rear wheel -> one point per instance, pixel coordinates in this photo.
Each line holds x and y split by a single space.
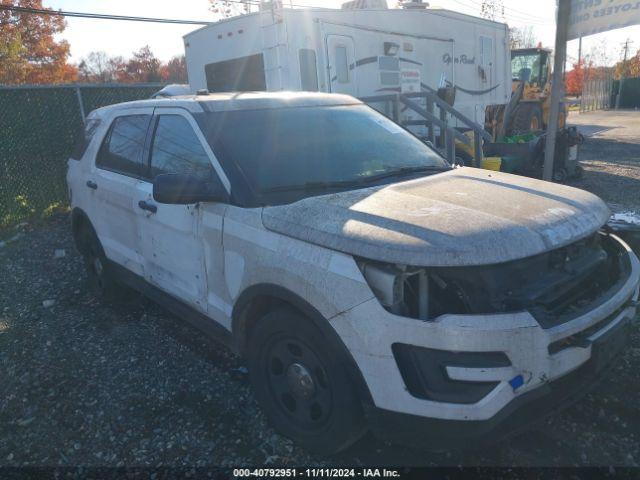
301 385
527 118
99 275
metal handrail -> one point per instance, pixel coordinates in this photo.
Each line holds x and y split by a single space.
448 134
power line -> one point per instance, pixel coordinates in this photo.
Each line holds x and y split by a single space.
518 13
508 16
100 16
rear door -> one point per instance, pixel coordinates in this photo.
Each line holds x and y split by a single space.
113 178
172 246
341 64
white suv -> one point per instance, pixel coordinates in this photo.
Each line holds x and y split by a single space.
367 283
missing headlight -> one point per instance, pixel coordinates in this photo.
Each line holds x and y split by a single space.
401 290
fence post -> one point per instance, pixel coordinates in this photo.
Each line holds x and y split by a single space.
80 103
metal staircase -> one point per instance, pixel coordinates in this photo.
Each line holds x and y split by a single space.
437 117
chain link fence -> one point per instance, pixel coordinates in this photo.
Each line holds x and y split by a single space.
38 128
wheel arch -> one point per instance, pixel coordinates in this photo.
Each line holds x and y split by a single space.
257 300
79 219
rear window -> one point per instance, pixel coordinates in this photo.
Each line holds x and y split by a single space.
85 135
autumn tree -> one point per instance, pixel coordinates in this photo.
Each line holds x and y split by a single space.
228 9
29 50
492 10
522 37
97 67
174 71
630 68
574 79
143 67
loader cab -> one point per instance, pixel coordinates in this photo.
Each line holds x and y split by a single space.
531 66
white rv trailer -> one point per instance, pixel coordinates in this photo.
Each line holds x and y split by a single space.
361 51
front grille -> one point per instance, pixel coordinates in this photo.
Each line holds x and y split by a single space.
581 339
555 287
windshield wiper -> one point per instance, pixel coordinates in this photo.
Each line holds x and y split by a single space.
393 172
310 186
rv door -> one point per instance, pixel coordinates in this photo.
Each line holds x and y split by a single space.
340 69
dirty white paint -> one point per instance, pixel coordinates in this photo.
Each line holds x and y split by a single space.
233 272
368 330
211 253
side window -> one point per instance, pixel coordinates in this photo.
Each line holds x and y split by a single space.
342 64
84 138
177 149
308 70
122 148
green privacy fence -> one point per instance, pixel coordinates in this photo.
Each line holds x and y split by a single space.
630 92
38 127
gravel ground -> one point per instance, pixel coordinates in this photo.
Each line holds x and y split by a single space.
611 157
86 383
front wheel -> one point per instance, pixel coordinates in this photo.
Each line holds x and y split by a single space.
301 385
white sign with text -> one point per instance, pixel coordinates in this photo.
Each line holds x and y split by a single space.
594 16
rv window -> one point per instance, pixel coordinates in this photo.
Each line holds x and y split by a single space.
486 51
342 64
244 74
389 63
308 70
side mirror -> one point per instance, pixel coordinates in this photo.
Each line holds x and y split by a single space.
184 189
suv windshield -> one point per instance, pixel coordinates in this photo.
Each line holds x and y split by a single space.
317 149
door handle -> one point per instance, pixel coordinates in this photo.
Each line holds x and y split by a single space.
92 185
149 207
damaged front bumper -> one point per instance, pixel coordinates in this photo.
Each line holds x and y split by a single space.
510 354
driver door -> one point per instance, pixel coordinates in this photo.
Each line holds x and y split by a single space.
172 246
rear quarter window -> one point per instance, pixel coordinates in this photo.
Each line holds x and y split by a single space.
84 137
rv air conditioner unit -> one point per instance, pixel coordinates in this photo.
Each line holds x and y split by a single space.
365 5
414 5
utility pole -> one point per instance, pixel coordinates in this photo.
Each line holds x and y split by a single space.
580 51
624 65
557 87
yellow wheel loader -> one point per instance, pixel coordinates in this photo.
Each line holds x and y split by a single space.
529 108
519 127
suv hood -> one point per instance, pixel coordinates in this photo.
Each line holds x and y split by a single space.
459 218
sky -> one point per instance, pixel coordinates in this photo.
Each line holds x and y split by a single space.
122 38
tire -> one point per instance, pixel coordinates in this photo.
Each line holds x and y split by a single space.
560 175
301 385
464 159
527 118
99 276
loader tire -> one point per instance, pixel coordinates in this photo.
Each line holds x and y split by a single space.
527 117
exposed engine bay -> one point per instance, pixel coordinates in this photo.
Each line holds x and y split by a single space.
554 287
